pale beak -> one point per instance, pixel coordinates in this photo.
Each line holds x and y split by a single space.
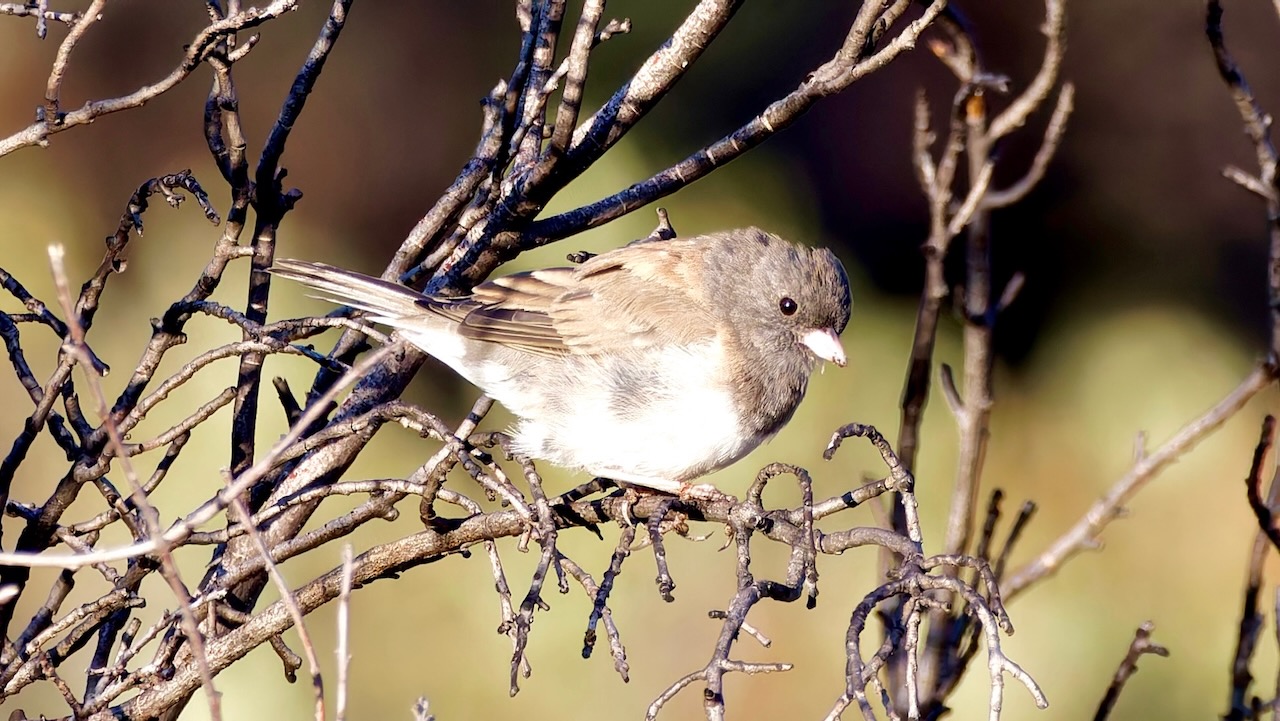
826 345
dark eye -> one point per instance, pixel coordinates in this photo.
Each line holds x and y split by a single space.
787 306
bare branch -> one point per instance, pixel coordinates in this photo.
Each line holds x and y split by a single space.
344 632
1251 620
1257 125
1141 644
41 15
1084 534
605 128
1053 133
38 132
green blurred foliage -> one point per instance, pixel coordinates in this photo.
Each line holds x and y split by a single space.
1144 306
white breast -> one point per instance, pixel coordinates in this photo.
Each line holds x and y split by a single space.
658 414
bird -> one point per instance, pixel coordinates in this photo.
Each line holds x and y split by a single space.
651 365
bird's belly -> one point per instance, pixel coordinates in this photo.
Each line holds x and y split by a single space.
669 417
673 441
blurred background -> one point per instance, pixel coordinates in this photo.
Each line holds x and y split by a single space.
1145 303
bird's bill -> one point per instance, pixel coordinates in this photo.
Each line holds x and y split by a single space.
826 345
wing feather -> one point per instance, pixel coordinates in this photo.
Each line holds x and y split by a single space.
633 297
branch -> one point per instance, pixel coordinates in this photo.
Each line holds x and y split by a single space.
1257 125
38 133
1141 644
1251 620
847 66
1084 534
41 15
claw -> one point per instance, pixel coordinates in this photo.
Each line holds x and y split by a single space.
629 498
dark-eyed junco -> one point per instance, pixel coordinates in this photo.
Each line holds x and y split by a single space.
652 364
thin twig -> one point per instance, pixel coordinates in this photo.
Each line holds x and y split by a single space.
1141 644
148 512
1251 620
1084 534
344 633
38 132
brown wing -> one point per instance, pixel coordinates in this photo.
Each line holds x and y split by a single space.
632 297
514 310
640 295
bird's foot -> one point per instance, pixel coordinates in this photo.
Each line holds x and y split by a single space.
701 492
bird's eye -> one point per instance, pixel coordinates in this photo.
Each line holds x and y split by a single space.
787 306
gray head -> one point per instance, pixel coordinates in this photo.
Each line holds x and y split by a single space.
785 297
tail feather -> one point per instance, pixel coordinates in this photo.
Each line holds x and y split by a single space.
386 300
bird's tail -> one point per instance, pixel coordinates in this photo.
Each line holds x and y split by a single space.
387 301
